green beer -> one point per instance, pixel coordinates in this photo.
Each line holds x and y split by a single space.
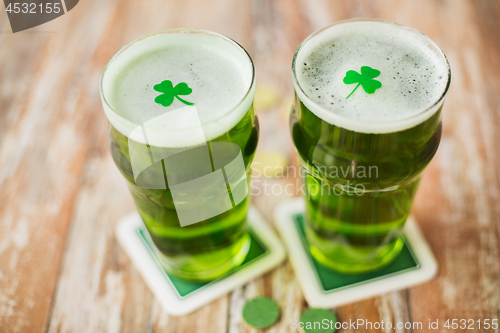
183 133
364 144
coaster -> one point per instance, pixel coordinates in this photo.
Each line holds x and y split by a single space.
326 288
180 297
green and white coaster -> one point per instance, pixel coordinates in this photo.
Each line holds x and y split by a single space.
323 287
180 297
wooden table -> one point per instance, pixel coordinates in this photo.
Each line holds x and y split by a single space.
61 268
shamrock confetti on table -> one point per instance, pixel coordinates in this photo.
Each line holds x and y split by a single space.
326 317
261 312
169 92
365 79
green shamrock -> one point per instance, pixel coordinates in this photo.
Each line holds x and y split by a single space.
365 79
169 92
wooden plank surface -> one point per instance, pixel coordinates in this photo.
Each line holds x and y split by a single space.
61 268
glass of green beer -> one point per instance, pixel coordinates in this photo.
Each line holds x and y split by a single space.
366 121
183 133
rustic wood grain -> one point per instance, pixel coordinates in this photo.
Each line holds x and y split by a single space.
61 268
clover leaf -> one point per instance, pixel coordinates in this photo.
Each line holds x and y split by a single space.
365 79
170 92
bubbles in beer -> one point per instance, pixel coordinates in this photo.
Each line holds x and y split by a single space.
218 72
413 75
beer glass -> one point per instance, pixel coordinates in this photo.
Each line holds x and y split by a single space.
366 121
183 133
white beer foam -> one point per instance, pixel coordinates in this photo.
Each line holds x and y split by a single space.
414 76
217 70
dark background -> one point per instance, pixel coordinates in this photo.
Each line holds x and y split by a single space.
31 13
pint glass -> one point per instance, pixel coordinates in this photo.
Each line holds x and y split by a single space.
183 133
366 121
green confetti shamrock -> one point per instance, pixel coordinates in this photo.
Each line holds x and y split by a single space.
365 79
169 92
261 312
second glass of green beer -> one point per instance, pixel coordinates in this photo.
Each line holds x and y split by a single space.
183 132
366 122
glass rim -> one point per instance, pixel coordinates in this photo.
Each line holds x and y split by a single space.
126 121
418 114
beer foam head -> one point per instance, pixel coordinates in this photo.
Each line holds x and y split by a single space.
219 72
414 75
